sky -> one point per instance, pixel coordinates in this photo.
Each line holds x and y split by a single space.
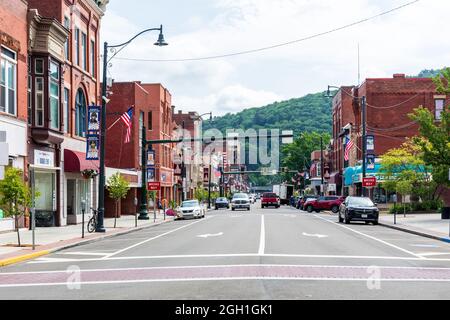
405 41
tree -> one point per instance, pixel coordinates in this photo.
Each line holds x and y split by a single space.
434 139
403 167
15 195
118 189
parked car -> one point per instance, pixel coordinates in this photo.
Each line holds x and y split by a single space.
191 209
240 201
270 199
324 203
222 203
358 209
303 199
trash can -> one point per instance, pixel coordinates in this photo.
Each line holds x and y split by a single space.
446 213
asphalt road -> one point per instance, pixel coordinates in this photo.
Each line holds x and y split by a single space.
263 254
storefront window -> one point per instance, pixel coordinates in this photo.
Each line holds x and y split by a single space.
84 188
45 185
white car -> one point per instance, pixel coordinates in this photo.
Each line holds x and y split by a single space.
191 209
240 201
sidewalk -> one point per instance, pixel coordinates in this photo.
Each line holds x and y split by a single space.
428 225
49 240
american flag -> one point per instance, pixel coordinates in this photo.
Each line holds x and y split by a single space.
126 118
348 147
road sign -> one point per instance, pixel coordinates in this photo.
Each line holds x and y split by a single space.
153 186
369 182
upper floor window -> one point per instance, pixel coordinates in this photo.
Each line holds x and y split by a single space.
54 95
93 60
150 120
39 101
66 109
67 44
8 75
30 100
84 50
77 46
439 108
80 114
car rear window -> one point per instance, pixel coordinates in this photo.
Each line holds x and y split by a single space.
269 195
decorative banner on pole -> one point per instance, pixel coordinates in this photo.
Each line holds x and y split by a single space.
151 174
370 162
370 143
150 158
92 147
94 119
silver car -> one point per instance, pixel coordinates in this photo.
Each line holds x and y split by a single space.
240 201
191 209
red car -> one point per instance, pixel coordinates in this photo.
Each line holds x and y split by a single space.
324 203
270 199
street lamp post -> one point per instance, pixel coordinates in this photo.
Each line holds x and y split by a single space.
101 187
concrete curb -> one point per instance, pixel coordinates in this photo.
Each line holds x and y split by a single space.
417 233
34 255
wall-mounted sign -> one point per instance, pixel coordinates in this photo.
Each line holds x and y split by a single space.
94 119
44 158
370 143
92 147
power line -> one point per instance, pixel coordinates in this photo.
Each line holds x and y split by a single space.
276 45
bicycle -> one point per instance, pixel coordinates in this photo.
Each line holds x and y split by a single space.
92 223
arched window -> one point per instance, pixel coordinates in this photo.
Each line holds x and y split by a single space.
80 114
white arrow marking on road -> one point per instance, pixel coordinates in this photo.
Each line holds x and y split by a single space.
210 235
315 235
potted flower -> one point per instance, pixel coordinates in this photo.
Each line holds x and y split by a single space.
89 173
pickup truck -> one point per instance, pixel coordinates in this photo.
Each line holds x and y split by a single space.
270 199
324 203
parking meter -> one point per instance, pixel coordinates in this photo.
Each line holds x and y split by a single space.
83 210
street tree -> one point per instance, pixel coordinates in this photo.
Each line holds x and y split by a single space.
15 196
118 189
434 138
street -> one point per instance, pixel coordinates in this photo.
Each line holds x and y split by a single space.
262 254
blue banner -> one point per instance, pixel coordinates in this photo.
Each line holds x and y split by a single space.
92 147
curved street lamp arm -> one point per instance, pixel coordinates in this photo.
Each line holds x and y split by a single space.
125 44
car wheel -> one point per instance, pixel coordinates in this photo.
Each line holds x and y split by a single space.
318 211
248 209
347 220
233 209
309 209
375 223
217 208
335 209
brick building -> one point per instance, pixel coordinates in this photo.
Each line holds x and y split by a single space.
152 109
13 85
63 81
389 101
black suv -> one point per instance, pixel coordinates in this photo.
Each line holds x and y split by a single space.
358 209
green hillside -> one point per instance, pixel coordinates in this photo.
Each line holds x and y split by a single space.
309 113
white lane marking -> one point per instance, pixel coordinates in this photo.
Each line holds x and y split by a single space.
210 235
425 245
153 238
84 253
229 266
371 237
243 255
430 254
320 236
262 238
217 279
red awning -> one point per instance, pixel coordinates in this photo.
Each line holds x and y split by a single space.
76 162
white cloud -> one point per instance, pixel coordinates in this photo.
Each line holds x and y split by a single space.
405 41
232 98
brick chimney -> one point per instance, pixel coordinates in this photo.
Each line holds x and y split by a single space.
399 76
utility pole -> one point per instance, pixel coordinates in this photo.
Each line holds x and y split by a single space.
183 169
143 211
209 183
364 142
321 167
